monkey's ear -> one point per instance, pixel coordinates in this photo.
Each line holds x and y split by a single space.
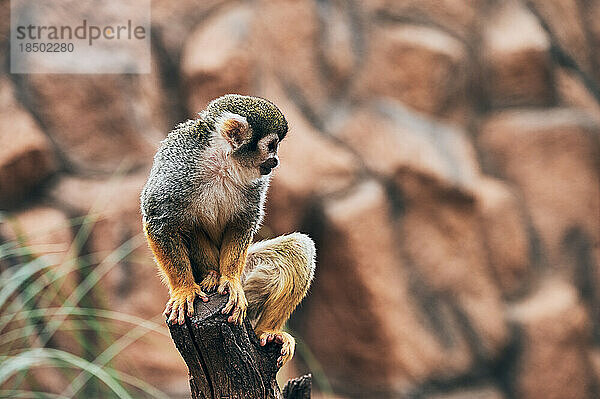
234 128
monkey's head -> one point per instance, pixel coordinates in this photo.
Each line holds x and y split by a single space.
253 127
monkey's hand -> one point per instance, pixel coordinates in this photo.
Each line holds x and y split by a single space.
288 344
237 303
180 297
210 281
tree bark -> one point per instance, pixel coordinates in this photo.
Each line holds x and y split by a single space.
227 361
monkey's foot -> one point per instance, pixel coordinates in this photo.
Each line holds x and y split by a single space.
180 297
210 281
288 344
237 303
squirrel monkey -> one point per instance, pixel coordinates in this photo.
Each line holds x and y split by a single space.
201 206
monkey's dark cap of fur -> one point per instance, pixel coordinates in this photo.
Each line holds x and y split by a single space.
263 116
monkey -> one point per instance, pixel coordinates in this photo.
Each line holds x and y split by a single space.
201 206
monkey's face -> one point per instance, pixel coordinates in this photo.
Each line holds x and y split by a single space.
253 127
267 153
251 147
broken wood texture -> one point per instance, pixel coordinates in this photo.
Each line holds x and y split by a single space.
227 361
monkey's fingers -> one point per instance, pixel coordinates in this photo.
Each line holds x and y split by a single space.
236 300
210 281
181 313
175 303
238 315
190 306
168 308
266 338
288 348
222 289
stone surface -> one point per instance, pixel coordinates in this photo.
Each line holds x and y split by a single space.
564 144
591 14
287 49
459 17
506 237
573 93
389 137
363 283
442 239
517 61
106 122
173 22
216 59
341 43
312 165
564 20
555 340
424 68
477 393
26 156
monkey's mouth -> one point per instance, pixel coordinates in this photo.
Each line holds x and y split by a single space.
264 170
266 167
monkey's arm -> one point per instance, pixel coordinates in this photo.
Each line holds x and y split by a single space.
205 256
234 248
174 264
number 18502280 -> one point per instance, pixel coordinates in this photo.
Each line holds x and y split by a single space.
46 47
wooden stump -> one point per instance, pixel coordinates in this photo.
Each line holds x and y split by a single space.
227 361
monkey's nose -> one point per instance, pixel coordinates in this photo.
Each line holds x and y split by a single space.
271 163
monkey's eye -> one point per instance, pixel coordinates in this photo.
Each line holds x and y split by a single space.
272 146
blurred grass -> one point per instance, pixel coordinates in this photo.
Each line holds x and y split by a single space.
38 302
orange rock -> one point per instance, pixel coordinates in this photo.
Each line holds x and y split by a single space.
474 393
287 48
518 68
43 230
101 122
573 93
565 22
442 240
422 67
551 156
26 156
360 319
460 17
312 165
505 229
555 340
389 137
216 59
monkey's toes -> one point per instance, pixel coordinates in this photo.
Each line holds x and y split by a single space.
287 342
237 303
181 299
175 311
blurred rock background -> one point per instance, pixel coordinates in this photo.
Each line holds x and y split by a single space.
444 155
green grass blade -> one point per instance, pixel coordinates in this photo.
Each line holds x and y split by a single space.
42 356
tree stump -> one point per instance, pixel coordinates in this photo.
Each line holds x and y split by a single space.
227 361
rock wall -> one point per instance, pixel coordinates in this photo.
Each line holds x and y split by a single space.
444 155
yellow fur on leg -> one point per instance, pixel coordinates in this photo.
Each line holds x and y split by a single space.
174 264
279 272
